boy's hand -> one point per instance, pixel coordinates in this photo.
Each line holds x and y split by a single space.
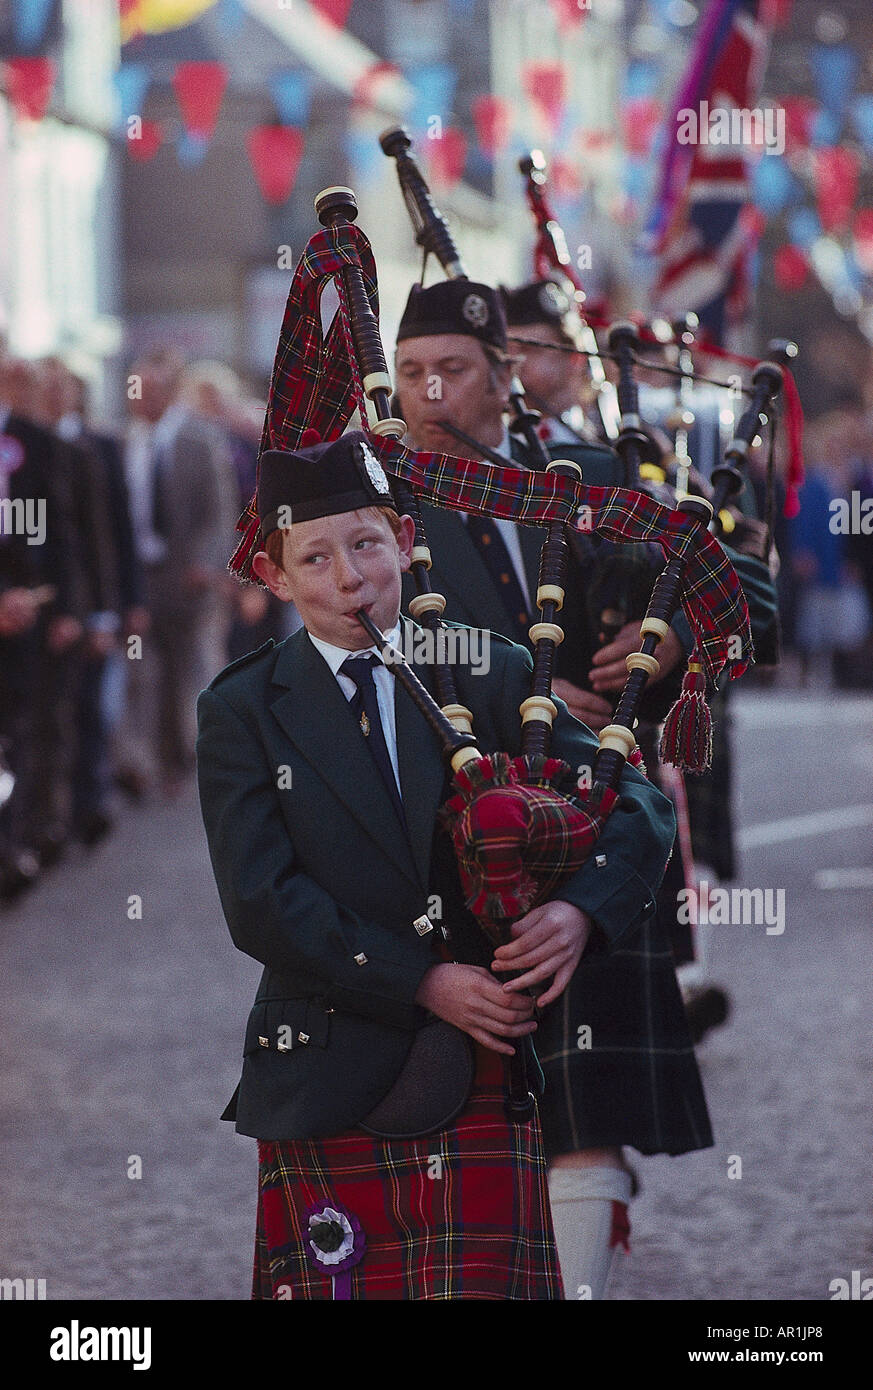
469 997
547 941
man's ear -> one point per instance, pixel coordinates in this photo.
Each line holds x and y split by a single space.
273 576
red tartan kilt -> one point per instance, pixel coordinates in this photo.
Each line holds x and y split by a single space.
462 1213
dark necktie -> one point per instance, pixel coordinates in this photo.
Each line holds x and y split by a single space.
365 706
492 548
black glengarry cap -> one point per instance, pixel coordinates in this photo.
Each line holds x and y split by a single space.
323 479
454 306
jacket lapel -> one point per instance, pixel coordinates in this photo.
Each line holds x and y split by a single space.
315 715
422 770
466 575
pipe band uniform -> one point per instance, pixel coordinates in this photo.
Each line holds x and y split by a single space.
532 896
336 932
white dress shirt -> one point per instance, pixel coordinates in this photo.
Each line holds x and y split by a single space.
385 682
139 473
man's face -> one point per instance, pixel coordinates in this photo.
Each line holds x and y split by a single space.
158 387
448 377
336 565
548 374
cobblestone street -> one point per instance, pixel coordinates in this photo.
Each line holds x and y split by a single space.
122 1037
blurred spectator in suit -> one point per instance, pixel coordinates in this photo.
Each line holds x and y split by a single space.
832 613
120 611
41 605
184 502
217 392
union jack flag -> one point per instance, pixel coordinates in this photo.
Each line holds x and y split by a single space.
703 229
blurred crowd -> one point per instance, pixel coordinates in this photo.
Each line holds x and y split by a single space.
116 607
826 584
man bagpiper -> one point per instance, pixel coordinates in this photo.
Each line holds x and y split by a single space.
616 1051
320 783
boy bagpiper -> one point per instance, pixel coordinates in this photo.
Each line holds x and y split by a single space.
320 783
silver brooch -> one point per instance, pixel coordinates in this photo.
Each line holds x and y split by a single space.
475 310
375 471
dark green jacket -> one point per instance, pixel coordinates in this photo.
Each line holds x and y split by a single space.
318 882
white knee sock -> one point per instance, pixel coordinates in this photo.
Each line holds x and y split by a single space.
581 1200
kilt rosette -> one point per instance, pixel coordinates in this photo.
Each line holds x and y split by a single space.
518 826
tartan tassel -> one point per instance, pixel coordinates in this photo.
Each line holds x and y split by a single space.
686 741
241 559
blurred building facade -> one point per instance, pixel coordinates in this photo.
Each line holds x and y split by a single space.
60 273
207 259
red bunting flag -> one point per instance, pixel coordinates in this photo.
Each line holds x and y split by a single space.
367 86
836 183
545 85
641 118
862 234
29 84
145 145
800 113
275 152
569 13
336 12
199 90
565 177
790 268
492 117
448 155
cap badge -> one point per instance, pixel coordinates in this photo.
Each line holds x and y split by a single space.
475 310
375 471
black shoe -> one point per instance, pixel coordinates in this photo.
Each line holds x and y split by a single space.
706 1009
18 873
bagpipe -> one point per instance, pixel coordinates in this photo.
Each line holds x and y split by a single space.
518 825
552 260
618 582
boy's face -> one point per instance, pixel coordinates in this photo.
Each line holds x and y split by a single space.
336 565
447 376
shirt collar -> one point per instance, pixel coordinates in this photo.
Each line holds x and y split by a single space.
335 656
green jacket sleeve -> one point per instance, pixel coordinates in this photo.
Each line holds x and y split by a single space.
276 913
617 884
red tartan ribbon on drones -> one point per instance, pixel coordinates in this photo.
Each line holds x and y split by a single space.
313 387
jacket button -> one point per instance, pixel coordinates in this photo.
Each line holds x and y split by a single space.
264 1042
423 925
600 861
361 958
